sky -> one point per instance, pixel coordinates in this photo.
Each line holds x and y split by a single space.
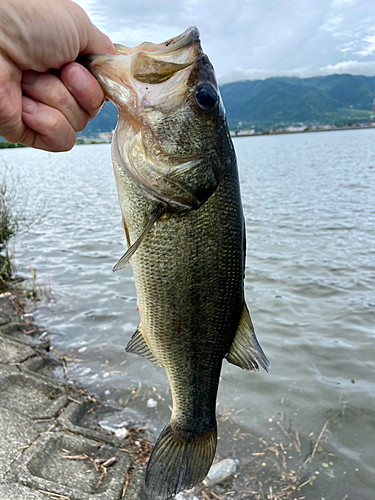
253 39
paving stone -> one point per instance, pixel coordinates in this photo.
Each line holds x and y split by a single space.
12 327
83 419
7 309
15 432
31 395
136 489
71 418
43 466
19 492
35 364
13 351
17 330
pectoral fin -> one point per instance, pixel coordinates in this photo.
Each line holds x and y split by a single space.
245 351
156 214
138 345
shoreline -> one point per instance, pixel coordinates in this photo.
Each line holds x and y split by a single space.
338 129
92 141
63 433
50 430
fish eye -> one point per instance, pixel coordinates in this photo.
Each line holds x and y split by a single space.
206 97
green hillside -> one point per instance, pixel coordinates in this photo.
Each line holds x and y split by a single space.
283 101
104 122
275 101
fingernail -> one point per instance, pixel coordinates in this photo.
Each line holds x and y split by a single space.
28 105
29 77
77 78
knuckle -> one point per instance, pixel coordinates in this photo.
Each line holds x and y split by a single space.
81 122
55 122
60 97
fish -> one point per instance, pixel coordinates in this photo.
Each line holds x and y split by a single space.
178 188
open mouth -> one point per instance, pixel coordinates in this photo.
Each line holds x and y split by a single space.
164 49
135 72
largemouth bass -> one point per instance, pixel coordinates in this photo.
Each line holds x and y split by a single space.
178 188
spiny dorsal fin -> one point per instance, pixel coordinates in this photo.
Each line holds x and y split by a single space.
156 214
245 351
138 345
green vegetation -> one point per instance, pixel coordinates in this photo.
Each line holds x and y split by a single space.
8 224
328 100
13 220
10 145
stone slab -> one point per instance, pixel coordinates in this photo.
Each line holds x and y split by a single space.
19 492
43 466
7 309
136 490
17 330
30 395
16 432
74 419
35 364
13 351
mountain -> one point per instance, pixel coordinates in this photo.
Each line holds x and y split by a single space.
282 100
324 99
105 121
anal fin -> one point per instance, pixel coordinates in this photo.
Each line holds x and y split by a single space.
138 345
155 215
245 351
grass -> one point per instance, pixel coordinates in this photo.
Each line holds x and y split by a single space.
14 219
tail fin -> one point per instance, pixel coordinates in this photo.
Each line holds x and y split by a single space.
178 462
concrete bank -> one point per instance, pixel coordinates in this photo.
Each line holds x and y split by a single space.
58 442
51 445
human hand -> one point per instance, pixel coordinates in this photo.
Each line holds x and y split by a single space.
45 97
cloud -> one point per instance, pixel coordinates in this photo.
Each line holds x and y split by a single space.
351 67
252 38
370 48
347 67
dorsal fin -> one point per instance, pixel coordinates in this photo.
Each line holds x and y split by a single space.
155 215
245 351
138 345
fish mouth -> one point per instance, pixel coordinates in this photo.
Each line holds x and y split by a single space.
131 78
184 40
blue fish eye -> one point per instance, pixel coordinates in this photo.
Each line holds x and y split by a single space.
206 97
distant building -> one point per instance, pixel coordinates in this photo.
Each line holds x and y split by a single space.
292 128
105 136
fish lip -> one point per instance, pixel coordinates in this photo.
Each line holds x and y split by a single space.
187 38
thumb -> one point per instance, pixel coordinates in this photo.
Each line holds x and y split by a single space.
98 42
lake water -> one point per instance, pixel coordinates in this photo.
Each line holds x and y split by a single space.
309 202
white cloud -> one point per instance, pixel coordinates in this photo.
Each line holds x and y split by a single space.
370 48
347 67
253 38
351 67
332 24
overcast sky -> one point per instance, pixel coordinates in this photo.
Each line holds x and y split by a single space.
249 39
